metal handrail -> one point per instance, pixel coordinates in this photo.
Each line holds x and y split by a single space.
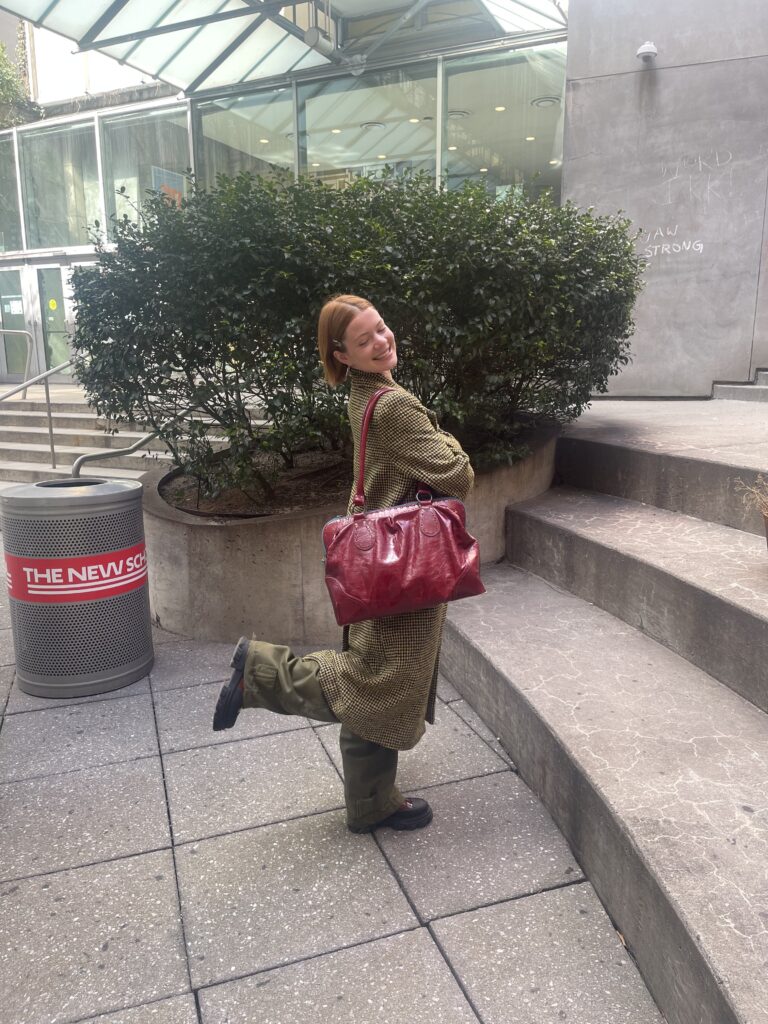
30 342
33 380
113 453
99 456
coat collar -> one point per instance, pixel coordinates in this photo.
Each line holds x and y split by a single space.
372 381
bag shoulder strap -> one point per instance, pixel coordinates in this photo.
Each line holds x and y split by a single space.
360 492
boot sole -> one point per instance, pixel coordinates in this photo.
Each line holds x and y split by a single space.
403 825
230 700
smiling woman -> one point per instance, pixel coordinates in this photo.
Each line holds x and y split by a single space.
371 345
382 685
352 335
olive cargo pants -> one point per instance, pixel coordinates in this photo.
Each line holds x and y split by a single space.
276 679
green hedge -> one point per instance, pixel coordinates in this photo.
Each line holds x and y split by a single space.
504 310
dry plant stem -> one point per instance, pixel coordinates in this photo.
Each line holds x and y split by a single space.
754 495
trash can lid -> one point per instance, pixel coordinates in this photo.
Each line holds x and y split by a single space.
69 492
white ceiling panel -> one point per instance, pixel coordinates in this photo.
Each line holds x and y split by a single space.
203 44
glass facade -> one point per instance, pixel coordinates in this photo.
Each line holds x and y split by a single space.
251 133
141 151
492 116
504 119
60 184
352 126
10 225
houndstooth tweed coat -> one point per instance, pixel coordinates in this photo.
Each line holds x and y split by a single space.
382 685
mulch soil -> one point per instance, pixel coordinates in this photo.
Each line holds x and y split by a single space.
317 479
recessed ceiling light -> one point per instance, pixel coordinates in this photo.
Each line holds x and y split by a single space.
499 109
414 120
382 156
530 138
483 170
264 140
554 163
335 131
315 165
452 148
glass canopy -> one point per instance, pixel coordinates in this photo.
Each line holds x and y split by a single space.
199 45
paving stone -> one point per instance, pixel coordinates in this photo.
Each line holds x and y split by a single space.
7 673
218 789
268 896
399 980
78 943
185 664
490 840
20 701
179 1010
475 722
104 732
449 750
63 821
185 717
546 959
7 652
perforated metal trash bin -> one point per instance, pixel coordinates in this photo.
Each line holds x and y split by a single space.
77 582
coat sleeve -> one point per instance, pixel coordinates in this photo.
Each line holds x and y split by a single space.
423 452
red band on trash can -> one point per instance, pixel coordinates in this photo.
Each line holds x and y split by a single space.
87 578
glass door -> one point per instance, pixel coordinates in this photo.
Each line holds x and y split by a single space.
53 317
13 347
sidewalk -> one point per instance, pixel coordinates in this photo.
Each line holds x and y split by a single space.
149 863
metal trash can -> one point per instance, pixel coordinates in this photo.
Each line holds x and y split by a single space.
77 580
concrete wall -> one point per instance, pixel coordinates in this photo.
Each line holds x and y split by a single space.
9 28
681 147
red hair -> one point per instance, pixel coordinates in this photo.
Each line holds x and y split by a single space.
335 317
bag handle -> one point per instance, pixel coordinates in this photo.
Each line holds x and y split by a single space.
360 493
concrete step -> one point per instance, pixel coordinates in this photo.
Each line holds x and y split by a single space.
90 439
64 420
82 438
741 392
699 588
27 472
67 454
707 488
38 405
655 773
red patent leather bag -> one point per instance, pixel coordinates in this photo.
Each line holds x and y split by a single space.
401 559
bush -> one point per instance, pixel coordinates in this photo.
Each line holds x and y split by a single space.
505 311
15 104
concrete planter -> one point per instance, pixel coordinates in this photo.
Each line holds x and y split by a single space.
216 580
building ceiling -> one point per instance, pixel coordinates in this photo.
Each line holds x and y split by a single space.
203 45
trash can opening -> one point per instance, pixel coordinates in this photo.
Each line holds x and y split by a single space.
88 481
